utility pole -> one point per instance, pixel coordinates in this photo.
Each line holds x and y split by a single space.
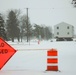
27 25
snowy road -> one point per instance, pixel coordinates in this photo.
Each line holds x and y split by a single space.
31 59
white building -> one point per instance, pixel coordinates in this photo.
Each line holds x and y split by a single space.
63 30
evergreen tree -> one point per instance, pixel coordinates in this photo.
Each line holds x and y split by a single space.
48 33
2 30
12 25
37 31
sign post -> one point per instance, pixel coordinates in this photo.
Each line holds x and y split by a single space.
6 52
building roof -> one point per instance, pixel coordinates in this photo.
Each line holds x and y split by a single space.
63 23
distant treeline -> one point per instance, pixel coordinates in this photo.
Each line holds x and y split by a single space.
18 26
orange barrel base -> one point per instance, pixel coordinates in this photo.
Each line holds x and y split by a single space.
52 68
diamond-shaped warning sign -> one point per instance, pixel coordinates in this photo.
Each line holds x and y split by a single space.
6 52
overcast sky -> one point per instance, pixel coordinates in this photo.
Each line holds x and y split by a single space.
48 12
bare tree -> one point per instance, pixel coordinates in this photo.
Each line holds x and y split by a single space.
27 31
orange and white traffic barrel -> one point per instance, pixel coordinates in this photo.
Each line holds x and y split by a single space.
52 60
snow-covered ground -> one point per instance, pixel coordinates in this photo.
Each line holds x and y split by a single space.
31 58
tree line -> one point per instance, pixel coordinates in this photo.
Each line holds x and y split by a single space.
15 26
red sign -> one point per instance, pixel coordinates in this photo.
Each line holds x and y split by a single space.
6 52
